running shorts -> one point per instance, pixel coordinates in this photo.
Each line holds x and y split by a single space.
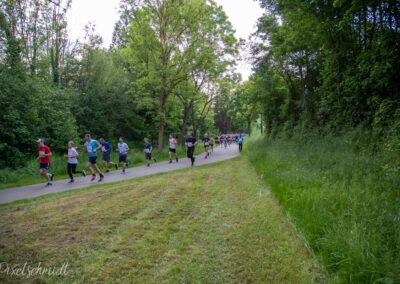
122 158
44 166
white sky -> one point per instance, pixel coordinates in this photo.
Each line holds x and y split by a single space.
243 15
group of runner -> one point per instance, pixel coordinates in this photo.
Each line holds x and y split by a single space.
93 147
227 140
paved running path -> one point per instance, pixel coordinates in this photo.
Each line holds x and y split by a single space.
30 191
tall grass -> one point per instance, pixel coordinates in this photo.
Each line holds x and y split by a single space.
342 198
29 174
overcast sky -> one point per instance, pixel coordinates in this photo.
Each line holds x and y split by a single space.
243 15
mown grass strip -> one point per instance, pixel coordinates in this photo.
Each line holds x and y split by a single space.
210 224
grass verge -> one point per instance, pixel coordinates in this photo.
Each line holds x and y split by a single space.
343 200
211 224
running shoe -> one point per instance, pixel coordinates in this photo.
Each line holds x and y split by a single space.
93 177
177 159
170 161
101 177
49 184
52 177
107 171
71 181
83 173
127 165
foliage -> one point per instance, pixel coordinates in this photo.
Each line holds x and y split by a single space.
342 198
171 42
162 74
327 65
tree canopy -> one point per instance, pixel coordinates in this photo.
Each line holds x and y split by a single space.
162 74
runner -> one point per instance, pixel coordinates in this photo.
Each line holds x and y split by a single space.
148 149
72 161
45 161
212 144
225 141
221 141
91 146
190 143
206 142
172 148
123 153
106 149
240 141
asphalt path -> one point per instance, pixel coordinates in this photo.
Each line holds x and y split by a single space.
34 190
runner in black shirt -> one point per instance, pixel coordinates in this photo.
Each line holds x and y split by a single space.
190 144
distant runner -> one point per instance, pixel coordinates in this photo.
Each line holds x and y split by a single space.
106 149
240 141
190 143
206 142
44 160
172 148
147 150
73 161
225 141
123 154
91 146
212 144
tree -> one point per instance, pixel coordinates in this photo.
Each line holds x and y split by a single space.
165 38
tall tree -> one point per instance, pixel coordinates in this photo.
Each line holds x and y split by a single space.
164 39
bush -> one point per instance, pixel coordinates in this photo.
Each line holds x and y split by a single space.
32 108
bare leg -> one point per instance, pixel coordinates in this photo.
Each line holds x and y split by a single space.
89 167
96 169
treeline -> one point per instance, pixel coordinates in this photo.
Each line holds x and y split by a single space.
168 66
327 66
327 86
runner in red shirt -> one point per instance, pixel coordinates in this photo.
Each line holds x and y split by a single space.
44 160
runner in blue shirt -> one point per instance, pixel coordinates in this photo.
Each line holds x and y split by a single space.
106 149
240 141
147 150
92 146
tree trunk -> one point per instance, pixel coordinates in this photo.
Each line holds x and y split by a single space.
161 124
194 122
186 113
